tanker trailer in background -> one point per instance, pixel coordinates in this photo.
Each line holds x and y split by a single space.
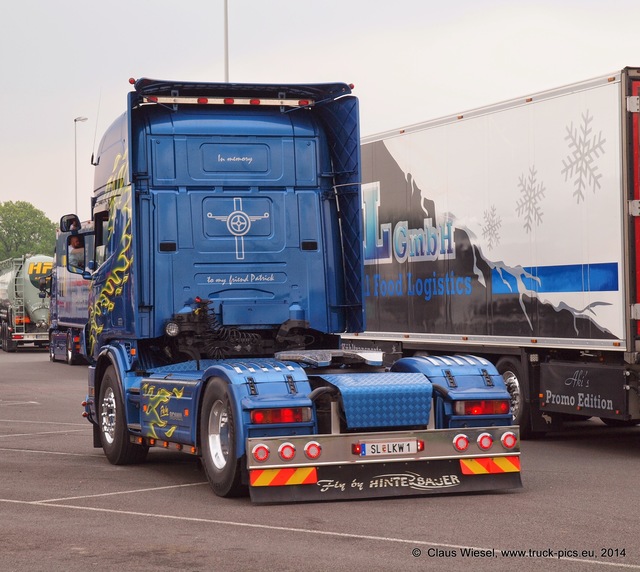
24 311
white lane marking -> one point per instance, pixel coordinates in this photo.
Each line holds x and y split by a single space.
295 530
149 489
97 455
85 424
65 431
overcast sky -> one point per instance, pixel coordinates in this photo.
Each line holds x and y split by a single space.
410 61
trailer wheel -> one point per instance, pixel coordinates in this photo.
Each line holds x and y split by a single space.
113 431
218 439
619 422
511 372
52 350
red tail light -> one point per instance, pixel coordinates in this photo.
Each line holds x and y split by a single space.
260 453
281 415
312 450
484 407
485 441
509 440
287 451
461 442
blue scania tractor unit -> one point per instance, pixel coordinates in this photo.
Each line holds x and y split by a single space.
226 262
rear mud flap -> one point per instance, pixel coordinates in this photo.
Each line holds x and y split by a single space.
359 481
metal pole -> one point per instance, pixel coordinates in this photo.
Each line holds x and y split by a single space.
226 41
75 158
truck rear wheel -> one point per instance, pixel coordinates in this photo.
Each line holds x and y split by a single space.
113 431
218 439
514 380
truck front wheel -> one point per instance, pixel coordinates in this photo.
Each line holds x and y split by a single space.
113 431
218 439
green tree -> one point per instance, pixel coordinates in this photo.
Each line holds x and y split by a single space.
24 229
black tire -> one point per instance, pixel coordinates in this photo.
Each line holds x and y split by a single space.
218 440
71 355
619 422
52 351
511 371
111 418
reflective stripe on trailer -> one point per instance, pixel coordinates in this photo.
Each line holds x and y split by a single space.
490 465
283 477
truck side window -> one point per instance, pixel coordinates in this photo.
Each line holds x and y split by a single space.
101 225
76 251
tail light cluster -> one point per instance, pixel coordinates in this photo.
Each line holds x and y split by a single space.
281 415
484 441
287 451
482 407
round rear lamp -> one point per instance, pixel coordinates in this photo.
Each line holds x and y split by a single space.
312 450
287 451
260 453
461 442
485 441
509 440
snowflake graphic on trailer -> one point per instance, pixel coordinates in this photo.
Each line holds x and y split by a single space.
532 193
580 164
492 224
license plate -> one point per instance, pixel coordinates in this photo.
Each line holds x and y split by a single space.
374 448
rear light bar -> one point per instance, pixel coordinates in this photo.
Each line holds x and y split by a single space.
174 100
482 407
485 441
281 415
286 451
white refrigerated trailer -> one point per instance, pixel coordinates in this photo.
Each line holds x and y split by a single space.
511 232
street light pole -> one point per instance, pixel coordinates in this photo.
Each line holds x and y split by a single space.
226 41
75 150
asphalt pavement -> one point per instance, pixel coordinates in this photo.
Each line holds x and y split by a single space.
64 507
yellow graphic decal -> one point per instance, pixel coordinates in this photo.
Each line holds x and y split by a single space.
119 209
156 409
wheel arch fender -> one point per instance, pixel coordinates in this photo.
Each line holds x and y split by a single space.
236 391
109 356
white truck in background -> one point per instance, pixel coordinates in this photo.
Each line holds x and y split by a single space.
511 232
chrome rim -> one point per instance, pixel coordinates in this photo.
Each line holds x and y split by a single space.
515 393
108 415
219 435
70 349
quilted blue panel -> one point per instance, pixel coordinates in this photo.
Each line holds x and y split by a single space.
384 399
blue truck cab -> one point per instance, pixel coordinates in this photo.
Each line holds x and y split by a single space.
227 260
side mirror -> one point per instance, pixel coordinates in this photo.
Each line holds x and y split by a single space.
69 223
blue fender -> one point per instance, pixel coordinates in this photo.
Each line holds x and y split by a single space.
460 378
